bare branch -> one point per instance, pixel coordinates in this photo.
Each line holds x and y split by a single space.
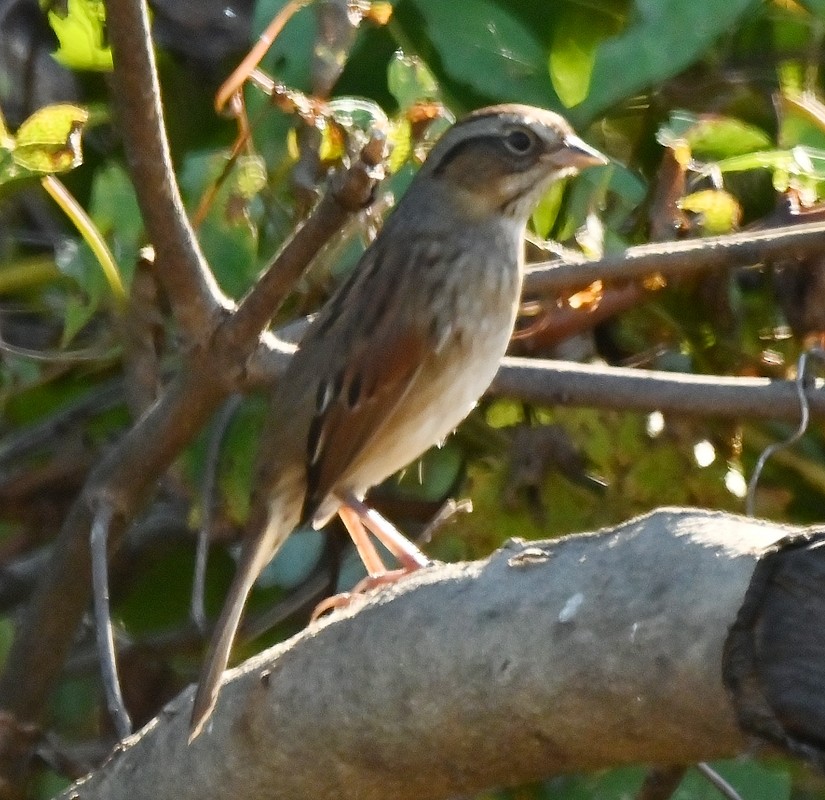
196 300
351 190
550 382
546 658
680 258
103 621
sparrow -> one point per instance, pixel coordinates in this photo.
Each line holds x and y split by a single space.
403 350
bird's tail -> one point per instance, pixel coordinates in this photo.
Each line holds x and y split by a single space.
266 538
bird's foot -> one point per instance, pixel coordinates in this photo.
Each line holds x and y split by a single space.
342 600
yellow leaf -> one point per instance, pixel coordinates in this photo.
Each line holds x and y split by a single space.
49 140
81 33
717 211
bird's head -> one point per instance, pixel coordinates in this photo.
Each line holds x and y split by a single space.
501 159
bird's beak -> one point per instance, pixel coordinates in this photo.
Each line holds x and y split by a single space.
576 154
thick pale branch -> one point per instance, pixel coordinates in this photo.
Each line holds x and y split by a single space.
548 657
681 258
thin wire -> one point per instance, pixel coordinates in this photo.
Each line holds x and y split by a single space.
801 382
718 781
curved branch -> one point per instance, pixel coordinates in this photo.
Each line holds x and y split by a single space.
546 658
128 473
187 279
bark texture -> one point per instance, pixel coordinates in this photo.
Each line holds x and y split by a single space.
548 657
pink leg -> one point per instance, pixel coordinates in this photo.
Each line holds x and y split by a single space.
408 555
356 515
360 538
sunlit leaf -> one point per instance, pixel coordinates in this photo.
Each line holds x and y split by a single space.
711 137
576 36
718 211
400 143
722 137
249 176
49 140
82 36
410 81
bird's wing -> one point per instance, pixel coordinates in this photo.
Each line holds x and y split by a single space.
363 362
371 386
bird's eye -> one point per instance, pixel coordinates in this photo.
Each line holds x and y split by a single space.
520 141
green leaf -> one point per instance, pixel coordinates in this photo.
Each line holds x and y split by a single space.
664 37
399 139
290 56
576 36
249 176
75 260
229 233
718 211
409 80
714 138
433 475
114 210
479 45
49 140
547 211
82 36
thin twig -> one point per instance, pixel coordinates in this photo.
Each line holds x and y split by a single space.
103 621
679 258
718 781
208 506
802 385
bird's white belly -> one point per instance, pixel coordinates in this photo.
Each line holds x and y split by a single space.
444 393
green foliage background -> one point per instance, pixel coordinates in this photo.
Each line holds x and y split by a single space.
636 79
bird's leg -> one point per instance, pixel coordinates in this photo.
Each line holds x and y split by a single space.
407 554
360 538
357 516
